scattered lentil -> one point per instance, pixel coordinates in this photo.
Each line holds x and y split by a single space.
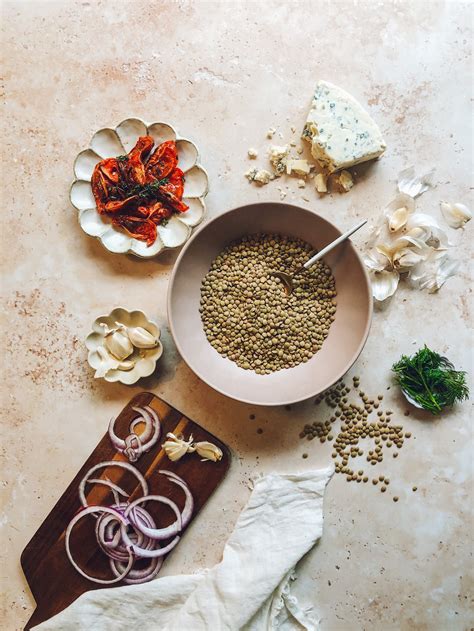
356 424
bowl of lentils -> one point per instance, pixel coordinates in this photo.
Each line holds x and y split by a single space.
238 330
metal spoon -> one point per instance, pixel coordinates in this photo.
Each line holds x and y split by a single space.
287 280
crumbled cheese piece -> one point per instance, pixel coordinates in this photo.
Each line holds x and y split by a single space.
345 180
340 131
271 132
252 153
299 167
250 174
301 183
282 193
292 143
261 176
320 181
278 156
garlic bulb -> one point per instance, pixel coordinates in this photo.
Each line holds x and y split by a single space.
175 447
118 344
208 451
456 215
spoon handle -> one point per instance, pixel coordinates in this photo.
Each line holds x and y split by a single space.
332 245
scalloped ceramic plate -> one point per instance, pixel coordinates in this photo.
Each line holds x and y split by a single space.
144 366
107 143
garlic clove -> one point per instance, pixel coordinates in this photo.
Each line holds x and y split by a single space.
208 451
127 365
118 344
176 447
375 261
384 284
398 219
141 338
455 215
406 258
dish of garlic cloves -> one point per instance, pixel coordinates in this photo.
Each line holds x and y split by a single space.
123 346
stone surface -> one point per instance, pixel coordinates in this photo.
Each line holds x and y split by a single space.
223 73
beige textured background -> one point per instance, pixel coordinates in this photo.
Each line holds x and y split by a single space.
223 72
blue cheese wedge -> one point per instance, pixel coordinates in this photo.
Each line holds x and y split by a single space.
340 131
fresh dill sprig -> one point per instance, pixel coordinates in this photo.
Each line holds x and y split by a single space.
431 380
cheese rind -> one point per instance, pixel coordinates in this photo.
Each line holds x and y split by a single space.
340 131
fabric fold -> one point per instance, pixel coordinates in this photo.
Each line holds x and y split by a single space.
250 589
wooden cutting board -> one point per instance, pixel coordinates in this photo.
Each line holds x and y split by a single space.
51 577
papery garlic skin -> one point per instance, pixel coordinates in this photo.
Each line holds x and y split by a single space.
208 451
412 184
384 284
455 215
118 344
107 362
434 271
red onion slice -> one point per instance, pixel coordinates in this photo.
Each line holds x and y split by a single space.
113 524
88 511
187 511
136 577
135 444
143 553
155 533
111 463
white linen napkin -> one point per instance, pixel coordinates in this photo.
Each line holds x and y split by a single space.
248 590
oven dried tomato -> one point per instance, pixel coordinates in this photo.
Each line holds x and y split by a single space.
162 161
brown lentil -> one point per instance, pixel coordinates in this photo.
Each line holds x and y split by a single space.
248 318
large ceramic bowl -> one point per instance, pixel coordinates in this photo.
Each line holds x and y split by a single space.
107 143
347 334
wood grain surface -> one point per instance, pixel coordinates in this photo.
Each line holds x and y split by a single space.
52 579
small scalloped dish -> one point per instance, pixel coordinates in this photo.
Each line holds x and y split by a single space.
145 358
107 143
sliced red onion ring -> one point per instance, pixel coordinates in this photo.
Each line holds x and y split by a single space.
109 536
143 553
111 463
187 511
88 511
135 444
114 539
155 533
136 577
